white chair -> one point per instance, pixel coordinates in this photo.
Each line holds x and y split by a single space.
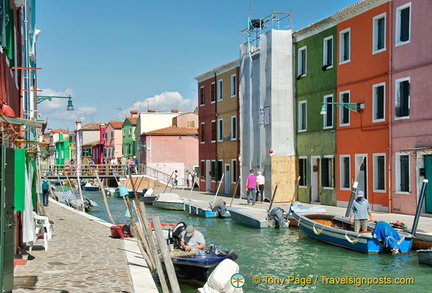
43 229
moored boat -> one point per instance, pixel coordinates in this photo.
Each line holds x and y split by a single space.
259 218
207 209
91 186
169 201
339 231
425 256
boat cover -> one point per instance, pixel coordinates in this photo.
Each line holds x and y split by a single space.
169 197
220 278
387 234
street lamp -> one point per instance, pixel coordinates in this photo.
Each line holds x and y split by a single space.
355 107
69 107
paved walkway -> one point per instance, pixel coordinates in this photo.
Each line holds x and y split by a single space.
82 257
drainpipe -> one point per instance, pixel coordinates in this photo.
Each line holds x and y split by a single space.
217 124
390 87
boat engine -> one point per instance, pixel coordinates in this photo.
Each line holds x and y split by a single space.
219 207
277 215
176 232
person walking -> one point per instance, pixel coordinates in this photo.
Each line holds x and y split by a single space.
46 190
251 186
360 213
175 178
260 187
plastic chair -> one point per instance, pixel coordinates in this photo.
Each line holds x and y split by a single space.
43 229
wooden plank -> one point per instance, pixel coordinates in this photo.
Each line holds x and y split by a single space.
284 175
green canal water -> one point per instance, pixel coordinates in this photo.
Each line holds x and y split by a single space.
276 260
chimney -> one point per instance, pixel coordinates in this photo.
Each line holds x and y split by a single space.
151 111
174 111
134 113
102 133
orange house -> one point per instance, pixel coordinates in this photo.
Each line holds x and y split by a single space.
362 135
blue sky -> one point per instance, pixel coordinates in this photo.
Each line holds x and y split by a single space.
115 56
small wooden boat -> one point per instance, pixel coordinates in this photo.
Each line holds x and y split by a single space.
206 209
123 191
169 201
339 231
148 197
425 256
91 186
302 208
259 218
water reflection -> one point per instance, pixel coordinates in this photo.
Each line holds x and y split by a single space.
289 254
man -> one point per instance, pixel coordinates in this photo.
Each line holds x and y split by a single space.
260 182
360 211
192 240
46 189
251 186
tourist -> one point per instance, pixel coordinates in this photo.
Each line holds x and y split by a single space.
192 240
175 178
251 186
46 189
360 212
189 179
260 187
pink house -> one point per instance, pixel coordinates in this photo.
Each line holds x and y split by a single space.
113 139
174 147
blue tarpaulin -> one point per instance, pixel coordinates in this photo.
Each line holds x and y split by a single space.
385 233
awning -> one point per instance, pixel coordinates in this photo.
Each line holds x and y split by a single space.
22 121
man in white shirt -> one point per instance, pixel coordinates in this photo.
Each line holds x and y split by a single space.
192 240
260 189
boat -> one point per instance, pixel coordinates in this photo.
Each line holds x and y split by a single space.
91 186
67 198
148 197
207 209
425 256
339 231
259 218
169 201
302 208
192 266
123 191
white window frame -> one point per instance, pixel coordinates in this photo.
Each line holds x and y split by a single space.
302 53
301 114
342 172
342 46
375 102
234 178
325 41
397 173
219 90
397 87
219 130
202 140
375 172
398 24
233 127
233 89
331 175
342 108
328 99
375 20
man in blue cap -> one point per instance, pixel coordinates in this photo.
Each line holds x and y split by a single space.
361 212
192 240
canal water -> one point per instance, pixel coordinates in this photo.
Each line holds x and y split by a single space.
286 260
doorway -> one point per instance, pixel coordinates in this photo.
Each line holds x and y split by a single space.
361 172
428 175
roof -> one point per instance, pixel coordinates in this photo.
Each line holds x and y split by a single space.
116 124
174 130
92 126
132 120
57 131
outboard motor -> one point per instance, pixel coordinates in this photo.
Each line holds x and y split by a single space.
178 229
219 207
277 215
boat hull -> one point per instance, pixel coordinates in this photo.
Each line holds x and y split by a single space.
169 205
253 218
148 199
425 256
362 242
91 188
195 210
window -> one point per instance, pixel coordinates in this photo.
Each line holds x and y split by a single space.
303 171
328 116
112 134
379 172
327 171
378 96
343 111
202 96
328 53
220 130
218 170
213 92
345 172
233 85
190 124
220 90
403 24
233 128
345 41
233 171
402 173
402 98
202 169
302 62
379 33
202 133
213 131
302 116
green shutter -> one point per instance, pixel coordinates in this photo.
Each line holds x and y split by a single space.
19 179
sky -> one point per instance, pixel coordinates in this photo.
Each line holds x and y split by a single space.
112 57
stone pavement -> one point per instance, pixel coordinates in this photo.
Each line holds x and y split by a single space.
82 257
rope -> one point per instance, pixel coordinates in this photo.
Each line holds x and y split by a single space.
315 230
351 241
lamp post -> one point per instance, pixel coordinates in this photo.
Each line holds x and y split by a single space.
69 107
355 107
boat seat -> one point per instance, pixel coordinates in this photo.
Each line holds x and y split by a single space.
43 230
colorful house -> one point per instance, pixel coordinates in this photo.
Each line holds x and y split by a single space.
128 134
113 139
